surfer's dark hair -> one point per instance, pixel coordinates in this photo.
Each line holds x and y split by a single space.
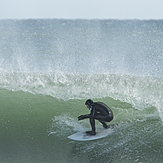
89 102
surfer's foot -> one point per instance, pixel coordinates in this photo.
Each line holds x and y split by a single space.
91 132
105 126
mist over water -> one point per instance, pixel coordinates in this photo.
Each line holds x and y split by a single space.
82 46
52 66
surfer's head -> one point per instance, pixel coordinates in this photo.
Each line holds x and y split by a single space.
88 103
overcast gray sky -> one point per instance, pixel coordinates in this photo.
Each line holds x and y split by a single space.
81 9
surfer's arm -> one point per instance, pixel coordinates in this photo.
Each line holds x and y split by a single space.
92 109
92 113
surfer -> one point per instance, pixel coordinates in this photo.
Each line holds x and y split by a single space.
98 111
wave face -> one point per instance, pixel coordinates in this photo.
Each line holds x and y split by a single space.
137 90
48 68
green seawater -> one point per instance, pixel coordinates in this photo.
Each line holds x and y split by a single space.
34 128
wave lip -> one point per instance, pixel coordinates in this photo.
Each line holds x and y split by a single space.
139 91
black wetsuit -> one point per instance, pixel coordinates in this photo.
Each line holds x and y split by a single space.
101 112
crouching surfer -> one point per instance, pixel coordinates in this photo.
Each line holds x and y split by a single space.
98 111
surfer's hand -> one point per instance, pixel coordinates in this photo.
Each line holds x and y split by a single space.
81 117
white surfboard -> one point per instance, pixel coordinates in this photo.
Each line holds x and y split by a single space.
101 133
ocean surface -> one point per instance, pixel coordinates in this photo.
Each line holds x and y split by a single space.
49 68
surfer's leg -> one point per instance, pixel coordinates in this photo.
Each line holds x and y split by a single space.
104 124
103 119
92 122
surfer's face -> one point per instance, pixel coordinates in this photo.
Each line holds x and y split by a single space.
87 106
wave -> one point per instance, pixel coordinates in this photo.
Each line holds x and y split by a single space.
37 123
82 46
139 91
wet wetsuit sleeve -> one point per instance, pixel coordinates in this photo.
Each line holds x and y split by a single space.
92 113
